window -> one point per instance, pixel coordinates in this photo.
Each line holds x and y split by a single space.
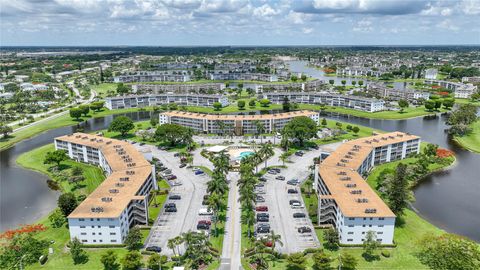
112 233
379 240
98 219
381 218
349 240
93 233
350 232
113 241
82 227
83 233
81 219
111 226
350 225
99 233
91 219
351 218
93 227
364 218
101 241
94 241
380 225
363 225
99 226
83 240
379 232
363 232
371 218
370 225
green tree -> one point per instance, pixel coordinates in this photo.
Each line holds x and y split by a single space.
403 103
324 122
321 261
97 106
85 109
293 78
252 103
347 261
67 202
355 130
429 105
460 119
344 82
398 191
449 252
286 104
122 89
153 121
173 106
5 130
265 152
430 150
296 261
122 124
332 82
132 261
301 128
23 248
217 106
265 102
353 83
370 245
57 219
331 238
56 157
303 77
133 240
241 105
173 134
75 113
448 103
109 260
360 83
155 262
79 256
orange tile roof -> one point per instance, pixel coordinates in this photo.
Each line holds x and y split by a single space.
129 172
340 169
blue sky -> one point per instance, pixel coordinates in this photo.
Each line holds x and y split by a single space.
239 22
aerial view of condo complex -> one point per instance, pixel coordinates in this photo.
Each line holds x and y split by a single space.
240 135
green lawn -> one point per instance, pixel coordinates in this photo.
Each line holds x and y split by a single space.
467 101
103 88
34 160
472 140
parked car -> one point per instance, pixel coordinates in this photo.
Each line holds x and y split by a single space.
182 165
202 226
262 219
175 197
262 179
204 221
176 154
262 215
304 229
259 199
263 229
276 169
205 212
199 172
272 172
292 191
171 210
296 205
259 185
299 153
294 201
293 182
260 191
299 215
142 144
280 177
154 249
262 208
171 177
170 205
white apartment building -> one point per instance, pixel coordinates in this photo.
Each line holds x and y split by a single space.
396 94
121 200
352 102
152 76
233 124
243 76
140 101
178 88
345 199
471 80
431 73
460 90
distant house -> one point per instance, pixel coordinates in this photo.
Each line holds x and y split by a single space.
6 95
431 73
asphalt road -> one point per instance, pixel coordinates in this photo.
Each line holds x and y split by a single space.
192 190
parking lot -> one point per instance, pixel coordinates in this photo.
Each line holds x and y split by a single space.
277 199
192 189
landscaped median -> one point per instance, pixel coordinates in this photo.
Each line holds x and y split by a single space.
471 141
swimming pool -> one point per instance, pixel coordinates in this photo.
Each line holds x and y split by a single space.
245 154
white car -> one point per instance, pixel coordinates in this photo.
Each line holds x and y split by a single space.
205 212
296 205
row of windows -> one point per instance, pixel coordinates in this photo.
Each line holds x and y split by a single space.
100 240
366 218
84 233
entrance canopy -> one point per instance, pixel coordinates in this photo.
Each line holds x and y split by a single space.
217 148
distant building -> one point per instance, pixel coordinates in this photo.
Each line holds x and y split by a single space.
471 80
345 200
178 88
153 76
336 100
244 77
140 101
460 90
396 94
431 73
232 124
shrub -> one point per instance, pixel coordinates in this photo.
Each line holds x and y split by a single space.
386 253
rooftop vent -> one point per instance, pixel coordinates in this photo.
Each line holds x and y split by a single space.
97 209
362 200
351 185
370 210
342 173
346 178
130 172
119 184
124 179
106 199
356 191
113 190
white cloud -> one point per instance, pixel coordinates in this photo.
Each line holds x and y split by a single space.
470 7
448 25
296 17
265 11
364 26
307 30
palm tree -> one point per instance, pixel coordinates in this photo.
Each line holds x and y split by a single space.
153 193
221 126
217 184
266 151
284 157
216 204
275 238
222 163
260 129
248 218
171 244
